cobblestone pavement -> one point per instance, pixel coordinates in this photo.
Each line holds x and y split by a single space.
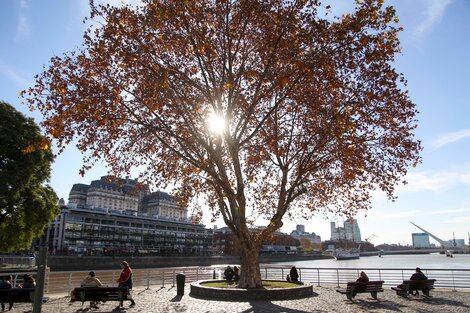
325 299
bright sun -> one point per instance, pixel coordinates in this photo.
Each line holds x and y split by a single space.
216 124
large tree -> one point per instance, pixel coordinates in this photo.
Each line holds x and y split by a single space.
26 205
314 114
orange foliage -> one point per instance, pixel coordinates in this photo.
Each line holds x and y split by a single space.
316 115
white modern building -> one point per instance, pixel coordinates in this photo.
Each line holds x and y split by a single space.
420 240
457 243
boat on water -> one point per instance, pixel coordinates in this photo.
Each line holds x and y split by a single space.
343 254
345 246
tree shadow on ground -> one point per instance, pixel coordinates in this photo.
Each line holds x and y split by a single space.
115 310
372 304
177 298
268 306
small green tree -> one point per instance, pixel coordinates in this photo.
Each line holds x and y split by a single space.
26 205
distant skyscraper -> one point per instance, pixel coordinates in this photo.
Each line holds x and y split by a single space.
352 230
349 231
420 240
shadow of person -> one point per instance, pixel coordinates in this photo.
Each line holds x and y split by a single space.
444 301
177 298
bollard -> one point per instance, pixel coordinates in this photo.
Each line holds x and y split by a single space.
213 275
40 282
180 279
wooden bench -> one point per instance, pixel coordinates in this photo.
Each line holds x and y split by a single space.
101 294
17 295
354 288
408 286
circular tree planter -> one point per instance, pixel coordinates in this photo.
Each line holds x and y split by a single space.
238 294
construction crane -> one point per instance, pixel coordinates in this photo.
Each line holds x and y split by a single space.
368 239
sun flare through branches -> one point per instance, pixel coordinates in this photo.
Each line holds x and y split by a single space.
216 124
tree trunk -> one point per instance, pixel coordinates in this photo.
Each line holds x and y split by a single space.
250 275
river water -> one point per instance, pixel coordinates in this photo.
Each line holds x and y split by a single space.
427 261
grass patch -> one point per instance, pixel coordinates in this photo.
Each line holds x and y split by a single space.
267 284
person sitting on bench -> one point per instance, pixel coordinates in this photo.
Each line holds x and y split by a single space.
28 281
5 283
418 276
362 278
91 281
294 275
228 273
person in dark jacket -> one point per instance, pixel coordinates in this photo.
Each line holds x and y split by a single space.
228 273
362 278
5 283
418 276
125 279
294 275
236 273
28 281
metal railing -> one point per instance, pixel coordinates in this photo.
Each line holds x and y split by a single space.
64 282
18 261
446 278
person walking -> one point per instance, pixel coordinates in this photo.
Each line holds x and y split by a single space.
125 279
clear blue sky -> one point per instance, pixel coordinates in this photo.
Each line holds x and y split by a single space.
435 60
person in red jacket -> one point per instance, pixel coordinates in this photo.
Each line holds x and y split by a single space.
125 279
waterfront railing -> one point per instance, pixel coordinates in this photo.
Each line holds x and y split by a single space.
17 261
64 282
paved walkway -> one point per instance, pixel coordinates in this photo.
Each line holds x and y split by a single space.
325 299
